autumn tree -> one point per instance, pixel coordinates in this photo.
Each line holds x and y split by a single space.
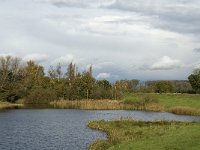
57 81
126 85
102 90
181 86
34 75
163 87
88 82
55 73
11 76
71 76
194 80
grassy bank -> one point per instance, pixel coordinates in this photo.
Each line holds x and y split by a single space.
104 105
6 105
88 104
129 134
182 104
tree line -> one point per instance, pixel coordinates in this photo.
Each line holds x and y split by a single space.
29 82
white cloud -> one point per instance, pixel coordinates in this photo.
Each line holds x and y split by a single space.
103 75
7 54
64 60
102 65
166 63
36 57
197 66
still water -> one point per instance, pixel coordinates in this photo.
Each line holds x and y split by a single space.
63 129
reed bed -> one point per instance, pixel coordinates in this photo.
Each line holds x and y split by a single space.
105 105
184 110
6 105
88 104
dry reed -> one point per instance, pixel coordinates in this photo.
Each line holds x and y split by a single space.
88 104
183 110
6 105
105 105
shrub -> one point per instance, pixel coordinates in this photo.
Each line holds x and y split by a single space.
41 96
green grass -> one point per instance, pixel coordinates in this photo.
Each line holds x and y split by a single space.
171 102
133 135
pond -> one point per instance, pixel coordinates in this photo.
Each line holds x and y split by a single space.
49 129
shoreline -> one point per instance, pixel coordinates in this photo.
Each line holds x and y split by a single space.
7 105
129 134
105 104
120 105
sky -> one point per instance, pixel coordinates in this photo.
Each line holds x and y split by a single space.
121 39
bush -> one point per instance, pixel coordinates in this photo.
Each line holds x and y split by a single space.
9 96
101 93
41 96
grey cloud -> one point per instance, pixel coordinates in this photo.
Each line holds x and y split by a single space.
115 35
196 50
82 3
178 16
69 4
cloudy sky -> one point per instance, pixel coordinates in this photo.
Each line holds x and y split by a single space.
122 39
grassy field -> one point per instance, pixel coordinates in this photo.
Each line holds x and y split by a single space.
188 104
6 105
129 134
168 100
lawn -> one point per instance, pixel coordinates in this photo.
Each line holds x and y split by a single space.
168 100
176 103
134 135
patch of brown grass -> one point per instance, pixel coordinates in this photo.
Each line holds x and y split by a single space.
104 105
154 107
6 105
184 110
120 105
88 104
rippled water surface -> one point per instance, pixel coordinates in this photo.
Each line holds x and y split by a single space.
62 129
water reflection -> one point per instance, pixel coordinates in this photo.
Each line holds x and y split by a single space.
38 129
